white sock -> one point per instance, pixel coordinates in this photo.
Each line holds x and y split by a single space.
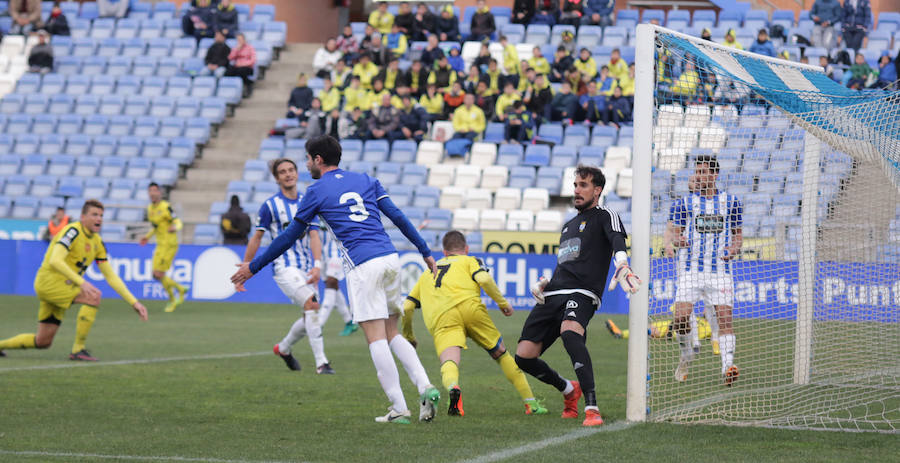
411 363
298 330
695 333
342 307
328 302
710 312
314 329
685 342
388 375
569 388
726 350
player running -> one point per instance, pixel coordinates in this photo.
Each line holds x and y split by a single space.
165 225
295 273
334 273
569 299
351 205
712 223
59 283
452 309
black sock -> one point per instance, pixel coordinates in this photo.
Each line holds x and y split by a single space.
540 370
581 360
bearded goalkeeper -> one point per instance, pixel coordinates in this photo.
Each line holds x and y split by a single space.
452 308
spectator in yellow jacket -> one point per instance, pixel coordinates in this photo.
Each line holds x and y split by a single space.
354 95
381 19
330 96
586 64
366 70
618 68
538 62
432 102
468 119
510 57
505 101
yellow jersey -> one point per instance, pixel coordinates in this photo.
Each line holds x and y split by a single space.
469 120
330 99
83 248
161 217
455 283
540 65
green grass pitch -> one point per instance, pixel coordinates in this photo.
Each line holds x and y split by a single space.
163 401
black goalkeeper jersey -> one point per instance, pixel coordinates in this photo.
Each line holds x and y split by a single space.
586 246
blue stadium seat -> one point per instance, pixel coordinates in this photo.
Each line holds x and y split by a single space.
509 155
275 32
363 167
94 65
537 34
426 196
403 151
83 47
537 155
89 11
263 13
203 87
755 161
139 168
588 36
197 129
184 48
69 124
521 177
576 135
110 47
114 167
551 131
95 187
127 28
17 185
102 84
627 18
151 28
146 126
12 103
731 18
166 171
256 170
162 106
213 109
564 156
68 187
26 143
183 150
242 189
153 86
649 15
756 19
704 19
375 151
173 29
95 124
111 105
28 83
678 19
401 195
36 104
388 173
78 145
271 148
69 65
79 28
295 148
24 207
171 127
52 84
515 33
34 164
230 89
9 165
494 133
144 66
438 219
414 174
178 87
119 65
128 85
19 123
75 85
549 178
129 147
134 47
62 45
252 30
136 105
104 145
592 155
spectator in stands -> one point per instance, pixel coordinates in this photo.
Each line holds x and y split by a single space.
482 24
413 121
627 84
706 34
112 8
887 71
199 21
731 40
423 23
855 19
385 118
376 95
586 64
605 82
391 76
860 73
312 122
397 98
522 12
564 103
472 79
561 64
579 84
57 23
354 95
374 47
432 52
484 56
505 101
572 12
510 60
404 19
827 66
592 104
56 223
538 62
353 125
599 12
618 109
394 44
824 14
485 100
301 98
447 26
468 119
730 92
456 62
347 44
443 75
547 12
332 123
685 87
381 19
243 62
226 18
528 73
366 70
433 103
340 75
453 99
763 45
518 127
493 77
40 60
329 95
416 78
26 16
618 68
537 97
568 42
325 58
216 59
235 223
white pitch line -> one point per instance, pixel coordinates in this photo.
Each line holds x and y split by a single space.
133 361
98 456
539 445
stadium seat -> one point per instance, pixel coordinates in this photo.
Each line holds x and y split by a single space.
230 89
548 221
537 155
43 185
24 207
522 177
518 220
414 174
401 195
452 198
95 187
52 144
429 153
440 175
388 173
426 196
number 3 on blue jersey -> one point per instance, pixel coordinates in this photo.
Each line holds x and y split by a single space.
358 212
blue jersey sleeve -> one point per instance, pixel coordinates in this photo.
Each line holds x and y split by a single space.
736 213
263 218
279 245
678 213
308 208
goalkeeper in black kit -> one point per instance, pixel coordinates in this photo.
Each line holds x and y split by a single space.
569 299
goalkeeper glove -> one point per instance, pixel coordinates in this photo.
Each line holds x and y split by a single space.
625 277
537 289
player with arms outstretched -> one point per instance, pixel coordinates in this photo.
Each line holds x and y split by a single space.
452 308
60 283
334 274
705 229
295 273
351 205
165 225
567 302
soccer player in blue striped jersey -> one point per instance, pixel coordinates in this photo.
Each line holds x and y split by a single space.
351 204
334 274
295 271
704 234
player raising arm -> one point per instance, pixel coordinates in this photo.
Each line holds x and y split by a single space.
351 205
452 309
59 283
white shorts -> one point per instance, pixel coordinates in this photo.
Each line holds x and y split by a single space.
374 289
292 282
711 288
334 268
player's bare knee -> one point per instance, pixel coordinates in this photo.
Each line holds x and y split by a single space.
331 283
311 304
43 342
573 326
497 351
157 275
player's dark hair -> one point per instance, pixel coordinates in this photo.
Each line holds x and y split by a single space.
89 204
279 162
709 160
326 147
454 240
153 184
595 174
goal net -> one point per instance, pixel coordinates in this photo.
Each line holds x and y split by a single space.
787 256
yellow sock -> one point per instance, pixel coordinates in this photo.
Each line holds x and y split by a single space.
515 375
169 286
19 341
86 316
450 374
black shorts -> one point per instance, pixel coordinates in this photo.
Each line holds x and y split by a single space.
544 321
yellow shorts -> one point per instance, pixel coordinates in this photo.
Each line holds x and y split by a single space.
163 257
55 297
468 319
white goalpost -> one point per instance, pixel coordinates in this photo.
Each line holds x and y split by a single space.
808 178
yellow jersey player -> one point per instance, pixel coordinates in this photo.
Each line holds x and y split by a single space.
452 309
59 283
165 226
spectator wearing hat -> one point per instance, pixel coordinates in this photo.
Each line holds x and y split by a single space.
26 16
731 40
598 12
706 34
57 23
824 14
482 24
40 60
568 42
855 19
447 26
763 45
235 223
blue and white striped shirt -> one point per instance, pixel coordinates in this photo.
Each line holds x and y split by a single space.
274 216
708 224
331 247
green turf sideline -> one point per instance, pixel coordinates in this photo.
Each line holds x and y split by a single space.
26 453
133 361
539 445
